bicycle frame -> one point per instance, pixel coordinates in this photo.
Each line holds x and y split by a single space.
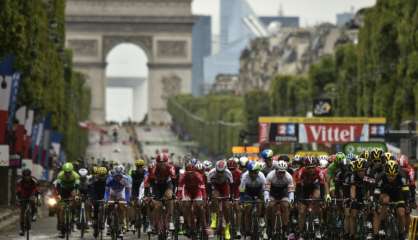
254 217
115 226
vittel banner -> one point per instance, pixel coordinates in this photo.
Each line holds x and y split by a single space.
333 133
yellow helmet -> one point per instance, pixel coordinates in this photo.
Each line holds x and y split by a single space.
95 170
376 155
387 156
140 162
360 164
392 168
365 154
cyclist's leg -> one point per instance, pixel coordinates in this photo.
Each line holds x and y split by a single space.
400 210
353 218
302 214
22 215
284 207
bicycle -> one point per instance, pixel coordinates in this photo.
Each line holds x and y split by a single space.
312 228
363 221
139 220
162 225
115 226
254 223
335 219
68 218
275 229
27 217
197 228
100 219
392 226
82 220
220 229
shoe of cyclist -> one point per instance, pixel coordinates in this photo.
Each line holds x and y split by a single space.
149 229
238 234
265 236
213 221
228 232
21 233
34 217
61 234
261 222
171 226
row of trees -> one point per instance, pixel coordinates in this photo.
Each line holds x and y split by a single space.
34 32
376 77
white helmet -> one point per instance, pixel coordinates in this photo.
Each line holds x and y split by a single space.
83 172
243 161
199 166
281 166
323 163
207 164
118 170
323 157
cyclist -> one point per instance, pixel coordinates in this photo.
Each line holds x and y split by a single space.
85 181
308 186
138 175
27 189
159 183
192 187
252 187
338 178
220 180
243 160
279 194
236 176
409 172
392 187
97 192
267 156
118 188
359 192
66 184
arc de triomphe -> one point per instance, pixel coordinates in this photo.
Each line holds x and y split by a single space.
162 28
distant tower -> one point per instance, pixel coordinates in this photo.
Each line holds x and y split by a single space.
226 7
281 11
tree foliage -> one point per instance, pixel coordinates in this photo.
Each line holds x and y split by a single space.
34 32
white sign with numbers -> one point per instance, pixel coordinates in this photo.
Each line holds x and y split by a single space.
4 155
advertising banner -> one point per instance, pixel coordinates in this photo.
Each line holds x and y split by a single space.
333 133
359 147
327 130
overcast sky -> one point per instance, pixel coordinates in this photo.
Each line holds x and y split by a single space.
309 11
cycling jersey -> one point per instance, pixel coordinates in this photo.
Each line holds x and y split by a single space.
27 189
221 181
65 185
308 181
397 190
97 189
138 177
118 189
252 187
236 177
280 187
362 188
191 186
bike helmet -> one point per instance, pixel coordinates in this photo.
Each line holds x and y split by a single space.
403 161
359 164
310 162
376 155
281 166
194 161
323 163
102 171
207 164
253 166
387 156
118 170
232 164
83 172
68 167
139 163
365 154
221 166
340 158
162 157
392 168
243 161
199 166
267 154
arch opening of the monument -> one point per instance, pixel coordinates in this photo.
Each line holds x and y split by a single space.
126 83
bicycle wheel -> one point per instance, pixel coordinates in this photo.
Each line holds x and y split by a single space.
115 225
82 222
392 230
255 229
67 222
27 223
